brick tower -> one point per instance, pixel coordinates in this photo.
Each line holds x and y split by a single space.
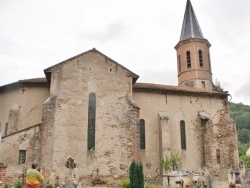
193 57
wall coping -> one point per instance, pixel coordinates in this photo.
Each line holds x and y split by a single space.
25 129
2 165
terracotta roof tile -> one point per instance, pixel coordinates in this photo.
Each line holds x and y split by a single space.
26 81
179 89
34 80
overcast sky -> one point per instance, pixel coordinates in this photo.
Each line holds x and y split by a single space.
139 34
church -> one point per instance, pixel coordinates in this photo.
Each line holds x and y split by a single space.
91 112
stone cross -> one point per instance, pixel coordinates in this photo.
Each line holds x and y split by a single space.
71 179
97 171
70 163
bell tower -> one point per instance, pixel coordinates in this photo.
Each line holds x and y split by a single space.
193 56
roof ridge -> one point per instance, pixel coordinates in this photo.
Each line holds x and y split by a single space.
176 88
48 70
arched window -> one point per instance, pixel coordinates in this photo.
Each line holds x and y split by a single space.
218 156
183 135
179 63
142 134
91 121
188 59
200 58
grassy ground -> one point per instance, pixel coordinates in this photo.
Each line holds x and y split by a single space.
153 185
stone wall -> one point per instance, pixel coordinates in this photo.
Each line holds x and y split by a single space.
21 108
3 168
201 134
65 120
224 140
47 135
27 139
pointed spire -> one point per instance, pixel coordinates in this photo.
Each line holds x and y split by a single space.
190 26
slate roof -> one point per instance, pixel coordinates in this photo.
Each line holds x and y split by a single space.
190 26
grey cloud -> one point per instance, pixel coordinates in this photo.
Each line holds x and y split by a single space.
10 46
167 77
244 89
111 31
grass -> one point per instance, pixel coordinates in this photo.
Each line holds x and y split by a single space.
154 185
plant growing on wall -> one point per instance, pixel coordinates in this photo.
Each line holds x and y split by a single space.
175 160
171 161
166 163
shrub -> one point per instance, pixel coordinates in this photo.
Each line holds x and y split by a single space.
48 186
125 183
132 174
245 159
18 184
140 175
172 161
152 185
136 175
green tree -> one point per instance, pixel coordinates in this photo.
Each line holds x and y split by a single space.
242 148
218 85
241 115
136 175
244 136
245 159
132 174
140 175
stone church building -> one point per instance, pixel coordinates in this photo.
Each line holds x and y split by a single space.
90 110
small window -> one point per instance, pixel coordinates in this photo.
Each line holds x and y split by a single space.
0 127
91 121
22 156
188 59
218 156
200 58
203 84
179 63
6 129
183 135
142 134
